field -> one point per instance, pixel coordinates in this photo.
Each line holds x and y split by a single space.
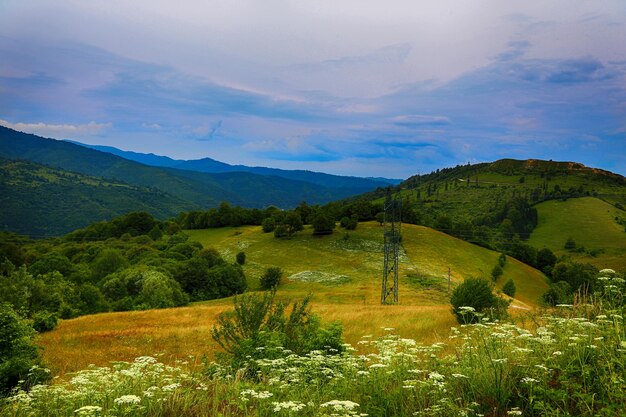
344 275
591 223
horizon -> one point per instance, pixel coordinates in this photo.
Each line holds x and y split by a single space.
354 89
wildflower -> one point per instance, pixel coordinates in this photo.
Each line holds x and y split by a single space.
557 353
288 405
88 410
514 412
339 405
127 400
528 380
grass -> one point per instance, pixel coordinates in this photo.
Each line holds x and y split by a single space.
423 313
590 222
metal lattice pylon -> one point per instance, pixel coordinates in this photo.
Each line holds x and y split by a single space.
391 230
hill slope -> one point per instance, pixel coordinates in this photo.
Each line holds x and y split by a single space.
37 200
344 276
591 223
191 190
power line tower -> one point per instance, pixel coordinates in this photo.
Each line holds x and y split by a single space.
391 230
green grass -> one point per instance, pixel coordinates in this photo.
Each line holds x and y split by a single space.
349 270
590 222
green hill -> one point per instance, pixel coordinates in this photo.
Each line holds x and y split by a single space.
42 201
348 270
191 189
592 223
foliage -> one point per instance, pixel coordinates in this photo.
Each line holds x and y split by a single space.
496 272
271 278
509 288
560 292
322 224
473 299
502 260
44 321
269 224
349 223
258 322
19 356
570 244
240 258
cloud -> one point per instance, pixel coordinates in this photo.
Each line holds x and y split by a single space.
416 120
59 130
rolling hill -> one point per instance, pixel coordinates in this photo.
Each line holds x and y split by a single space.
591 222
39 201
343 274
190 190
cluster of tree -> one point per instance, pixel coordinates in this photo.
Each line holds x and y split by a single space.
130 263
567 279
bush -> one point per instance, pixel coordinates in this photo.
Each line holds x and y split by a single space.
18 352
44 321
496 272
570 244
502 260
474 298
271 278
268 225
322 224
258 324
509 288
241 258
281 231
349 223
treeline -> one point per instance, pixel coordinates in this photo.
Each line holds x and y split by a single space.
133 262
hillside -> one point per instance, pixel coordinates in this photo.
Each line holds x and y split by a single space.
40 201
354 185
593 225
190 189
343 274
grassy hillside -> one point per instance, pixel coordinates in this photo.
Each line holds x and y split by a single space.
591 223
343 274
42 201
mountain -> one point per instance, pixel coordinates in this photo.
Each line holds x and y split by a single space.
185 190
40 201
359 185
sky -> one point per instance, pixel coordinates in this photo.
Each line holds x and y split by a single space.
353 87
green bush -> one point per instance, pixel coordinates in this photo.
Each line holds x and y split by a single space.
268 225
496 272
241 258
509 288
271 278
322 224
44 321
570 244
258 324
19 355
473 299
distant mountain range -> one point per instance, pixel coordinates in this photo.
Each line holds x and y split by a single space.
106 179
212 166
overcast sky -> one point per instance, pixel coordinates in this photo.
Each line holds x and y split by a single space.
355 87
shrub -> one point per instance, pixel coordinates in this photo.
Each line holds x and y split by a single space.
349 223
496 272
271 278
502 260
281 231
258 323
559 293
570 244
474 298
44 321
18 353
241 258
322 224
268 225
509 288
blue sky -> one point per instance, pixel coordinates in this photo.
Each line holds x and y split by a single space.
354 87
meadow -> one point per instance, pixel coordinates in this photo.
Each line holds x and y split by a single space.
591 223
343 275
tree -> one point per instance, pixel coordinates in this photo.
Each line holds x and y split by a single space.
380 217
268 225
19 356
546 260
241 258
322 224
293 221
496 272
509 288
271 278
502 260
473 296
